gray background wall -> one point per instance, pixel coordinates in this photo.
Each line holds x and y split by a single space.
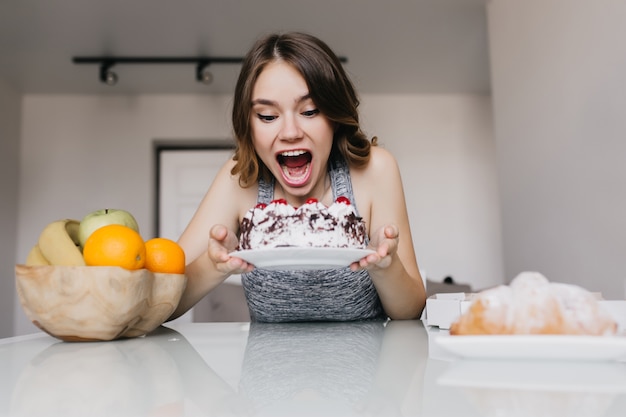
9 187
559 94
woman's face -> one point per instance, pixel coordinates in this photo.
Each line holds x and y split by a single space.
289 133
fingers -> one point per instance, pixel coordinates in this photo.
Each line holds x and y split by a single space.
388 243
225 263
221 243
236 265
367 262
387 246
217 250
372 261
219 232
391 231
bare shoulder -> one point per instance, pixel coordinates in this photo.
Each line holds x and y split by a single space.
381 166
377 185
226 187
225 202
381 160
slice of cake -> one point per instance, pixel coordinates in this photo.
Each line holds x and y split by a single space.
313 224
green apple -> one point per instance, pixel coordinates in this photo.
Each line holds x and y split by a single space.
96 219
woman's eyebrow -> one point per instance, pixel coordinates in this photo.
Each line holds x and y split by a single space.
268 102
263 101
304 98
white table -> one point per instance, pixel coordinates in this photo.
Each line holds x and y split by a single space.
311 369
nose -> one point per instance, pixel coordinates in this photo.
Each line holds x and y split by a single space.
290 128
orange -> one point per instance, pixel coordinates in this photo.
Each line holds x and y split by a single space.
115 245
164 255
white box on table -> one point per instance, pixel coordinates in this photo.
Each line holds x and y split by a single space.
443 309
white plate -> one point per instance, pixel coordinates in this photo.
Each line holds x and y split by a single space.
301 258
536 347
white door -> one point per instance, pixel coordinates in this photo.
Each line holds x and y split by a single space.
185 175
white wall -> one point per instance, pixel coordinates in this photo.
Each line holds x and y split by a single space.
445 148
81 153
559 93
9 158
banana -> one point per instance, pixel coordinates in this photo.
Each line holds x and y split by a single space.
35 257
58 243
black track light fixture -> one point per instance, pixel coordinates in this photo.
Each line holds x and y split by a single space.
107 76
203 74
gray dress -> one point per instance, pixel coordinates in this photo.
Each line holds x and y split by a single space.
319 295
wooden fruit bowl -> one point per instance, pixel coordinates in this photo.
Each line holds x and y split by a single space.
95 303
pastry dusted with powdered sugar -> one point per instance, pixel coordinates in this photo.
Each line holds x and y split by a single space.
533 305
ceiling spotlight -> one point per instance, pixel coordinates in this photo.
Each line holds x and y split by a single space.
203 74
106 75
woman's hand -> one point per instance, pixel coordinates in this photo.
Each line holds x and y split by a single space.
222 241
385 244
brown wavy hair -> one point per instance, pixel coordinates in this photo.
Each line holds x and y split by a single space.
329 86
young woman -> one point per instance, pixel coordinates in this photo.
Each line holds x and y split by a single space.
296 124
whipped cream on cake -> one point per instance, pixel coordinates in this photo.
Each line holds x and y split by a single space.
313 224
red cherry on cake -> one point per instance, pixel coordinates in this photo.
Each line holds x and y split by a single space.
280 201
342 199
311 201
260 206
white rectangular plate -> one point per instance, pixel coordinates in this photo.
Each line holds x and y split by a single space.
597 348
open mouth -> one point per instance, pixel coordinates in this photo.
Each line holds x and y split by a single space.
295 166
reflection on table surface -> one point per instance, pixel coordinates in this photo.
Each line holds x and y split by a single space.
370 368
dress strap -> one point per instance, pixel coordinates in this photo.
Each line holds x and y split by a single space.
266 191
340 179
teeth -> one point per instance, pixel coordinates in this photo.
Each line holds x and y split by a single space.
293 153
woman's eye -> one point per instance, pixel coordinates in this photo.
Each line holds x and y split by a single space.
265 117
310 113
